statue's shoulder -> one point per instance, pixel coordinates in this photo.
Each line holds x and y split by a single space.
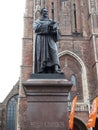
54 21
37 20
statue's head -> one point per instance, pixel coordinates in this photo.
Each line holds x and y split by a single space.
44 12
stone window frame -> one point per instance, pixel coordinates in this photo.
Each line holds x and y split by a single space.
11 113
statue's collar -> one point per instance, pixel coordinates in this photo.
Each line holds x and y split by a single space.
44 19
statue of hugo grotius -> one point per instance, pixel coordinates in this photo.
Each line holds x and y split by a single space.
46 53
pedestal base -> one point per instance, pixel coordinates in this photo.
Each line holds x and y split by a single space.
45 106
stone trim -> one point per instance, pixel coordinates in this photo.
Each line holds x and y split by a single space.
84 73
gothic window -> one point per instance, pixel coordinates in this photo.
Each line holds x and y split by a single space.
65 17
37 8
73 80
70 20
11 113
76 17
96 4
69 96
93 4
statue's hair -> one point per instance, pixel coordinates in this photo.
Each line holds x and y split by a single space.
41 11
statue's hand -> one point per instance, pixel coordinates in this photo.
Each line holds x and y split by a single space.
52 23
44 28
53 27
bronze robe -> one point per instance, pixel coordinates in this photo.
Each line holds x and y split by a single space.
46 53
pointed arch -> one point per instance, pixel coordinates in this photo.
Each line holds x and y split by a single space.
79 125
84 73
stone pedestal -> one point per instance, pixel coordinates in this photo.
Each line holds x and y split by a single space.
45 105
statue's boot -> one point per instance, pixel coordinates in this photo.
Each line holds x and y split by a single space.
57 70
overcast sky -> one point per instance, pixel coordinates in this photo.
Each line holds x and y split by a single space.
11 33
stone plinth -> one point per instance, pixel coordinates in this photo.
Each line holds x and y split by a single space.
45 105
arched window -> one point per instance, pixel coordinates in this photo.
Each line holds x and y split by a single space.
96 125
11 113
73 80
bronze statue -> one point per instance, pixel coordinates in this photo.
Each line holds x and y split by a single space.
46 53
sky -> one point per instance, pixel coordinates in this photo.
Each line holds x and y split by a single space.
11 34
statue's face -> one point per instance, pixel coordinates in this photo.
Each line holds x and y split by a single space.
45 13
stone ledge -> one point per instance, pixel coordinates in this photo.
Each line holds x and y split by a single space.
47 82
47 76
